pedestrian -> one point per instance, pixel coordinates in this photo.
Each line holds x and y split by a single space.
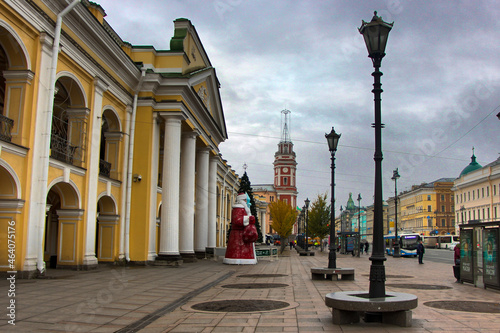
367 246
420 252
457 254
291 245
456 268
361 247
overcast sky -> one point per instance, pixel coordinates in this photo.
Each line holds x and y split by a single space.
441 84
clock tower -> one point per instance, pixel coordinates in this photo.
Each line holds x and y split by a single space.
285 166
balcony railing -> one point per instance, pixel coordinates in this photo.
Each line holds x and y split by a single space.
104 168
6 125
61 150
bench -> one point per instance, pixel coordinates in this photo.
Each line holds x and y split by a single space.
306 253
321 273
394 308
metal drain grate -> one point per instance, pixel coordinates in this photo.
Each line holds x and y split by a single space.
418 286
465 306
261 275
255 285
240 305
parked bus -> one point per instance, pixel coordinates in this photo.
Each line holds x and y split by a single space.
440 242
407 244
446 240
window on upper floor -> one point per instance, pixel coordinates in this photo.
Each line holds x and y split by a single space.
428 198
429 208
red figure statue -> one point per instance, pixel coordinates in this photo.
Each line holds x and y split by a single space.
241 248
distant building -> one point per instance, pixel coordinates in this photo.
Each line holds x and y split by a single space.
477 192
427 208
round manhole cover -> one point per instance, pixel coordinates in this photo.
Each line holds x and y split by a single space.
389 276
466 306
240 305
261 275
254 285
418 286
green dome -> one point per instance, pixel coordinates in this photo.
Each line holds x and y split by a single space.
471 167
350 203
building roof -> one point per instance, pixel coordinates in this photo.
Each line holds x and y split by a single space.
473 166
263 188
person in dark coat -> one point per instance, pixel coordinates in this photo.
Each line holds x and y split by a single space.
367 246
420 252
457 254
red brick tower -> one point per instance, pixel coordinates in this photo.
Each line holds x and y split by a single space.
285 166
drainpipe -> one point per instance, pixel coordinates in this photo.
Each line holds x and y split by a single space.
48 126
130 166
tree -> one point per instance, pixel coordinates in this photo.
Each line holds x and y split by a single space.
319 218
246 187
283 217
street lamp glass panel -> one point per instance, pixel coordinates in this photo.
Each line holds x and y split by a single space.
375 34
307 201
395 174
333 140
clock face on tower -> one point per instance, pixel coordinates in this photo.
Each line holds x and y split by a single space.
285 170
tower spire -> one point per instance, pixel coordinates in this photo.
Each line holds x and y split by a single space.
285 120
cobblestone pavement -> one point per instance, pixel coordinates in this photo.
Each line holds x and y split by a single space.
160 299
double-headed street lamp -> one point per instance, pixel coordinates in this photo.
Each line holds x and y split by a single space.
307 222
395 176
333 141
359 223
375 34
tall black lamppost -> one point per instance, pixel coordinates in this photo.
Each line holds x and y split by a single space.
341 240
304 230
375 34
307 222
333 141
395 176
359 223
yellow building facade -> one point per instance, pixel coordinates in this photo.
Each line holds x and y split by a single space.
428 208
108 151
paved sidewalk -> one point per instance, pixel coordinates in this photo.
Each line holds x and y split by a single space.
159 299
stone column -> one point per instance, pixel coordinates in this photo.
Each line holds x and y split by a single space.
212 206
169 231
90 259
187 193
201 215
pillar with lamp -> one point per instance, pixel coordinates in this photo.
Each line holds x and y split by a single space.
359 223
333 140
378 305
395 176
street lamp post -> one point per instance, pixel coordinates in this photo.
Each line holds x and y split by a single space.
307 222
333 141
395 176
375 34
359 223
341 240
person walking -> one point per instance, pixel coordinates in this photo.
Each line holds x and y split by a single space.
420 252
367 246
456 268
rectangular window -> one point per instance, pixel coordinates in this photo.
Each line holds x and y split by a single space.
429 208
443 222
428 198
285 180
443 209
494 190
487 191
473 195
442 197
271 198
482 192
